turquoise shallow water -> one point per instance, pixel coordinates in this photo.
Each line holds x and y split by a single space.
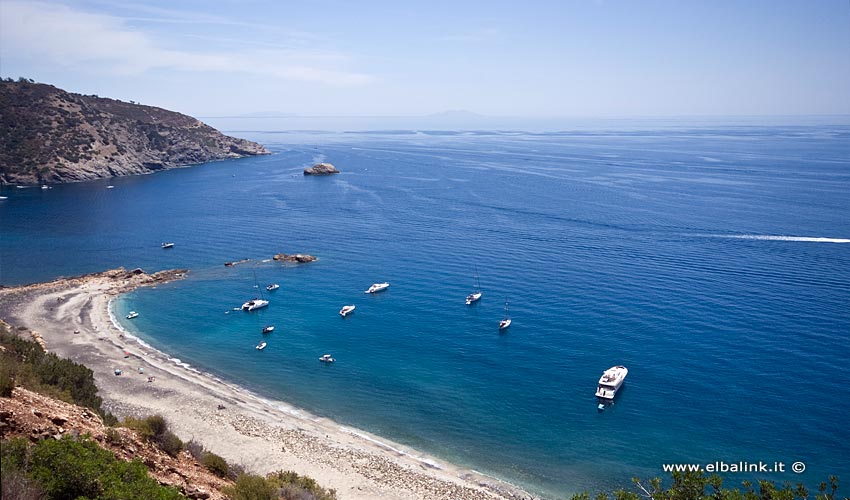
680 253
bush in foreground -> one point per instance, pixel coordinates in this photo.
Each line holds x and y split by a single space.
155 430
71 468
215 464
699 486
25 363
286 485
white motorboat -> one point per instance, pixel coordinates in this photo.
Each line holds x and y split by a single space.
110 187
272 287
261 346
133 314
506 322
378 287
167 245
254 304
611 381
268 328
326 358
346 310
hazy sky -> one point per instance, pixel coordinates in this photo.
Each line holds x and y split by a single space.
585 58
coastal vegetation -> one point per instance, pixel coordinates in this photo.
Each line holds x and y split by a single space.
48 135
154 429
283 485
26 363
72 467
696 485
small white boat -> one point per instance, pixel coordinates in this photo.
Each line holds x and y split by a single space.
110 187
272 287
261 346
168 245
611 381
506 322
4 197
346 310
45 187
133 314
326 358
476 295
254 304
378 287
268 328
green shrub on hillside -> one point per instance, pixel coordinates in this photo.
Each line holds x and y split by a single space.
250 487
215 464
285 485
293 486
76 468
155 430
25 363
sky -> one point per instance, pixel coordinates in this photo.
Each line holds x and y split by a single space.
567 58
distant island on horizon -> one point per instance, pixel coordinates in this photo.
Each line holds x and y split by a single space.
50 136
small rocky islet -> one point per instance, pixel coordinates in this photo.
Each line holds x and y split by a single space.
321 169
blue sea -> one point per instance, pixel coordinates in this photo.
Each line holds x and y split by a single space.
712 261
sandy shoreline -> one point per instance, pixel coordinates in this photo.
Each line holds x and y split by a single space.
259 434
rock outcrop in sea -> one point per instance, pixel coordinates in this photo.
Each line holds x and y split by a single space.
298 257
321 169
48 136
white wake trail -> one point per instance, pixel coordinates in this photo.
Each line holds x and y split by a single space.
768 237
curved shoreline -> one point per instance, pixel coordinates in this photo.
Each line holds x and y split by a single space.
259 433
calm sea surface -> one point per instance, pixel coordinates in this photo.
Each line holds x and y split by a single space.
713 262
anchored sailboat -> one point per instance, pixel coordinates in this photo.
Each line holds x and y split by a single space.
476 295
255 303
506 322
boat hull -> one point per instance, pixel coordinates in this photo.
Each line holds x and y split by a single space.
253 305
377 287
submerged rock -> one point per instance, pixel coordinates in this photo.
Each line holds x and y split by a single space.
321 169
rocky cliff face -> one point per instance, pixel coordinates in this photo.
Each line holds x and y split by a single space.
48 135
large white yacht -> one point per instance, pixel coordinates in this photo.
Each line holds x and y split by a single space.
254 304
378 287
610 381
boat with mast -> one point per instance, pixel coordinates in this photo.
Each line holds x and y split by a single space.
506 322
476 295
255 303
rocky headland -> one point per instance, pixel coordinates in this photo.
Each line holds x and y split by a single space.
48 136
